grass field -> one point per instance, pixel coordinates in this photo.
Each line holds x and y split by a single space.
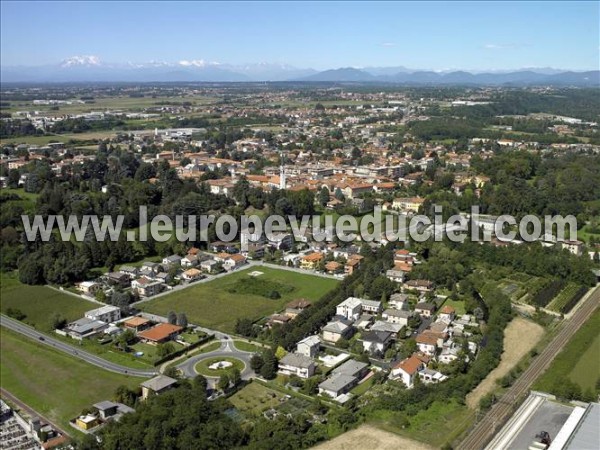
51 382
40 303
439 424
578 360
247 347
458 305
255 398
211 305
203 369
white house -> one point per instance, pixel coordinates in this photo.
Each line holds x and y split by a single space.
376 341
105 314
297 364
349 308
309 346
407 370
397 316
371 306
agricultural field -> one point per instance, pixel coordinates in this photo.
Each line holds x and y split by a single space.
39 304
51 382
578 361
212 305
436 426
255 398
567 298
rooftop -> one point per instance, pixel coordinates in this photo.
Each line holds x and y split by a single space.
158 383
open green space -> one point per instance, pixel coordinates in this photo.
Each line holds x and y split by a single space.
203 366
438 425
247 346
458 305
212 305
578 361
255 398
51 382
40 303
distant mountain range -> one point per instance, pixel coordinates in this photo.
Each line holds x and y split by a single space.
92 69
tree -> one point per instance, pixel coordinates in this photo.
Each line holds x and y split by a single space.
171 372
270 365
244 327
172 318
256 362
182 320
164 350
324 196
58 321
280 353
235 376
223 382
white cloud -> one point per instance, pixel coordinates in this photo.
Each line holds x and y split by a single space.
507 46
388 44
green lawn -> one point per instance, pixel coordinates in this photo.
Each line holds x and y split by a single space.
458 305
203 369
40 303
578 360
247 346
211 305
51 382
439 424
255 398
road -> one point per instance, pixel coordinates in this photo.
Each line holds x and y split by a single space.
15 401
483 432
227 350
73 351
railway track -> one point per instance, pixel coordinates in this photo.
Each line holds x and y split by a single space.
500 412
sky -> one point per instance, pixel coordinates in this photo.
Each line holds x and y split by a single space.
425 35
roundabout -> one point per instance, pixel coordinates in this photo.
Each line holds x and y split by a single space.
218 365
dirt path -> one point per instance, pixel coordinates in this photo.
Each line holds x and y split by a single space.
520 336
367 437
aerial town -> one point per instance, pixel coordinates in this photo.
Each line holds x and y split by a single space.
433 282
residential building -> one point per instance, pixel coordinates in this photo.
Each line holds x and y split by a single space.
399 301
160 333
334 331
172 260
190 261
353 368
447 313
396 276
350 308
309 346
157 385
85 328
137 324
425 309
397 316
422 286
371 306
295 307
88 287
337 385
376 342
311 261
234 261
407 370
145 287
575 247
106 314
408 204
191 275
297 364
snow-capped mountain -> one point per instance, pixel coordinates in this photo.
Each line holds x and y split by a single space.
90 68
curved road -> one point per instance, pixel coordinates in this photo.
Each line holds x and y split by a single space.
227 350
483 432
74 351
